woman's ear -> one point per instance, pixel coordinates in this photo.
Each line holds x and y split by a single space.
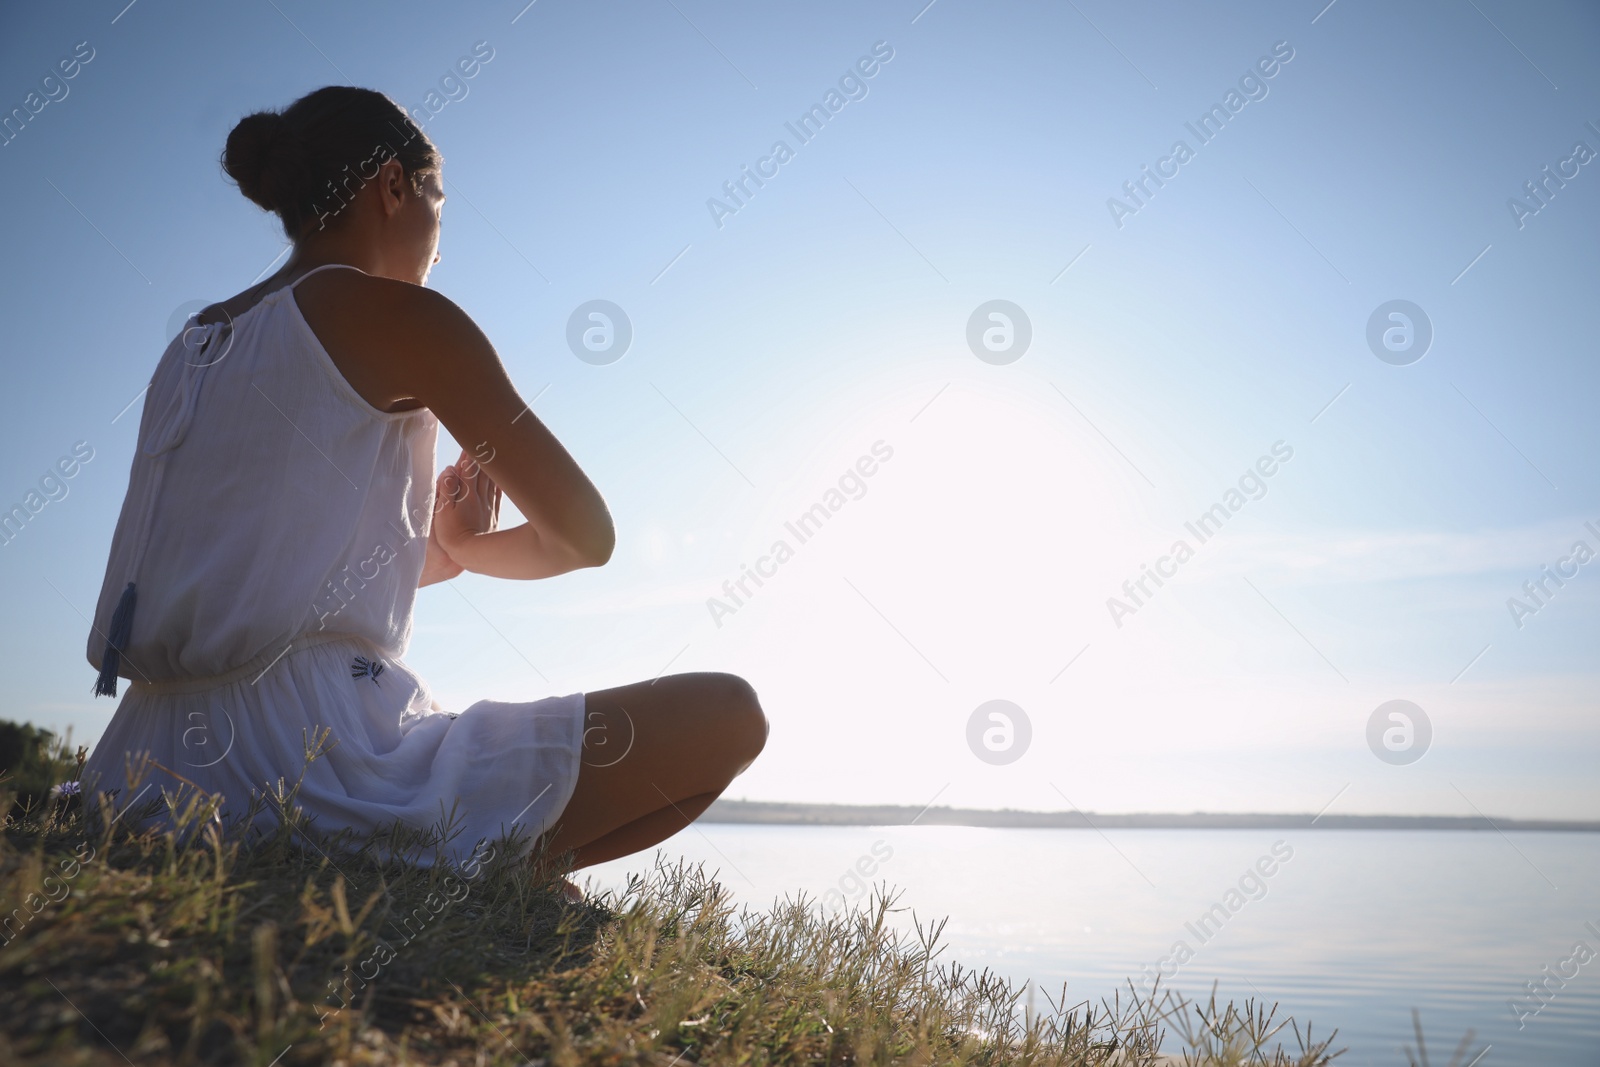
393 187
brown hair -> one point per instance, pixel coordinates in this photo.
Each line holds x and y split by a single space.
309 160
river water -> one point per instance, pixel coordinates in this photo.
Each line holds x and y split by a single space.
1349 929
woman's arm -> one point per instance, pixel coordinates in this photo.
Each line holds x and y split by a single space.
467 518
406 345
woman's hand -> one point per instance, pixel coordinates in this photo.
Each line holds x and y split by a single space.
466 524
437 566
466 505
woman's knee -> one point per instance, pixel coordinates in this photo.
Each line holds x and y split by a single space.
740 721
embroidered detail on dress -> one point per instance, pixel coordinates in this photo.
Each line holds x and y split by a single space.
362 667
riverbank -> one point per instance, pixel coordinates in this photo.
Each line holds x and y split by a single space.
138 947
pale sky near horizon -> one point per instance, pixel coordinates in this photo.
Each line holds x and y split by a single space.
1172 347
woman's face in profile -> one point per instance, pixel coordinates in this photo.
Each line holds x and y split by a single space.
412 235
421 229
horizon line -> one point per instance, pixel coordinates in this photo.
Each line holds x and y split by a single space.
803 813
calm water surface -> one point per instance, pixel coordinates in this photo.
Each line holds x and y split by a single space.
1350 929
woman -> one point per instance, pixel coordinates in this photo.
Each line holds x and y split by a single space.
282 512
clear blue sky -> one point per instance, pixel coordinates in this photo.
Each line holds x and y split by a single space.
830 312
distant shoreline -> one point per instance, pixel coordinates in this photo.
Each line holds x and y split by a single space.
755 812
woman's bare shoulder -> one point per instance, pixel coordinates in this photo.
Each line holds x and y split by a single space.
359 295
384 335
399 315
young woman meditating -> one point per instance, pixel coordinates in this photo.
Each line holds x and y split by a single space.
282 511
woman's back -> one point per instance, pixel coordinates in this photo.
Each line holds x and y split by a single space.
248 428
280 517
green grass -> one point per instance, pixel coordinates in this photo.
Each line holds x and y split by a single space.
33 761
196 946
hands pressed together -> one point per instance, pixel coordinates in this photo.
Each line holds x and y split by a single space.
466 505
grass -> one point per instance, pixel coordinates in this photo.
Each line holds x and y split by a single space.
33 761
198 945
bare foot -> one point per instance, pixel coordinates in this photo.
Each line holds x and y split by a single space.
569 892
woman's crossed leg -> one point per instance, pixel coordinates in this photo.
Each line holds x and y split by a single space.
655 755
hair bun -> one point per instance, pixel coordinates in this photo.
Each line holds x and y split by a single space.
267 159
291 161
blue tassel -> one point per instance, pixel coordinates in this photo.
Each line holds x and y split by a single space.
116 641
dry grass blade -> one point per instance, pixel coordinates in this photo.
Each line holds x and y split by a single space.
201 943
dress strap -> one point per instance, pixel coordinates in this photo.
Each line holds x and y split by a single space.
325 266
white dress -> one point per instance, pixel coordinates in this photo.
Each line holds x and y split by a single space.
260 588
